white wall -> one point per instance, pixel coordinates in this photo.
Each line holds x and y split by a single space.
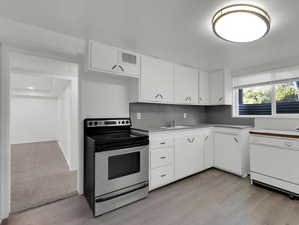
64 123
276 124
33 119
104 95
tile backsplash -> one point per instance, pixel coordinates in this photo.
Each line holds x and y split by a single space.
223 114
157 115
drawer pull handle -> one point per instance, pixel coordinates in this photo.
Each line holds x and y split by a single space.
162 143
163 157
207 137
163 175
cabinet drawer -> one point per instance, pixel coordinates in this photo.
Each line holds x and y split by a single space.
161 157
161 142
277 142
161 176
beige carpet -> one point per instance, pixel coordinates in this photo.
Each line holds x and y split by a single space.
40 175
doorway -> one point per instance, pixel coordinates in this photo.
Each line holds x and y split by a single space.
43 130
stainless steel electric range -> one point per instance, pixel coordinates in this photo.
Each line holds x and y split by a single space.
115 164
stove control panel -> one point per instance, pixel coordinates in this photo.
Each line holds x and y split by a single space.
108 123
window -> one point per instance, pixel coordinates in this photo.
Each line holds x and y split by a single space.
287 97
255 100
268 100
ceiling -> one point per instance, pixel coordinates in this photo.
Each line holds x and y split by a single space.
176 30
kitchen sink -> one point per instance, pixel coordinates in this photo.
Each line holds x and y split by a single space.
175 127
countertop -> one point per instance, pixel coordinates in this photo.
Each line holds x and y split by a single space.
190 127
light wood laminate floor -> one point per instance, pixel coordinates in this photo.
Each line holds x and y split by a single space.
210 198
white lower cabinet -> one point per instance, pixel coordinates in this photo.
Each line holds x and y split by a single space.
231 151
227 152
208 149
178 154
161 157
188 155
161 160
161 176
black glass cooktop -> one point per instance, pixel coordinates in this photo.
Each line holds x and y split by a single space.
114 141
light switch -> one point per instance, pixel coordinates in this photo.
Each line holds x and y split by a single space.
138 115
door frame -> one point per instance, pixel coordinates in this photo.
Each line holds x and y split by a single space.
5 151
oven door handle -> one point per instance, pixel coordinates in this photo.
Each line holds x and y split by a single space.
103 199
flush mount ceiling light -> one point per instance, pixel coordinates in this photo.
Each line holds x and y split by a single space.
241 23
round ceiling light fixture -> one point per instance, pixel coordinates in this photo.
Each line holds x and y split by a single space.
241 23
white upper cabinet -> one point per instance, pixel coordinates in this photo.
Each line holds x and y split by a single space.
216 88
102 57
220 85
185 85
105 58
129 62
156 84
203 92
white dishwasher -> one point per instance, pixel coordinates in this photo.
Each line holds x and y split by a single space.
274 162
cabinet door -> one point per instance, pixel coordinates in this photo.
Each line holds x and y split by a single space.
227 150
129 62
277 162
102 57
156 80
216 81
208 149
185 85
188 155
204 96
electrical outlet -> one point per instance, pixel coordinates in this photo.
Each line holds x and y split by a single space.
185 115
138 115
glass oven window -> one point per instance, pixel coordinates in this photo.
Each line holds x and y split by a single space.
123 165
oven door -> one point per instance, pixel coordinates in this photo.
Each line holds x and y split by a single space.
118 169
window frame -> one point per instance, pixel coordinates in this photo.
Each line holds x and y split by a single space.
274 114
